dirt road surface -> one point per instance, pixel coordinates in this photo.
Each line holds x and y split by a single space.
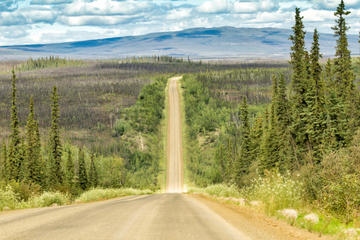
167 216
174 181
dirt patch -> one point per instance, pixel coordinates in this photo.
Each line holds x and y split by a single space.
256 225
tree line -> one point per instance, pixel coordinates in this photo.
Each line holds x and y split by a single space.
305 123
24 161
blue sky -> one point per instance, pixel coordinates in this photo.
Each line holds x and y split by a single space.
47 21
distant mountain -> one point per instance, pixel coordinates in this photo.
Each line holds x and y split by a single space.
199 43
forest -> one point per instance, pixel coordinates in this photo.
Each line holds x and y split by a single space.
286 136
70 126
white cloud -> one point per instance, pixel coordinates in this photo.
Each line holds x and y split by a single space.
215 6
332 4
314 15
106 7
179 13
33 21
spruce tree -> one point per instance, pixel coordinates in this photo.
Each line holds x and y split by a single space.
15 158
282 105
328 75
283 122
70 170
297 57
83 178
243 161
55 173
316 68
33 170
270 157
93 175
300 63
315 112
344 75
4 163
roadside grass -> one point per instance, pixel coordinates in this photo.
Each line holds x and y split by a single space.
187 182
164 134
9 200
98 194
273 194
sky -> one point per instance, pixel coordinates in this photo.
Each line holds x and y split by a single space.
50 21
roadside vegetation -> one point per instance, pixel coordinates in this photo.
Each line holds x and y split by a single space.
83 129
41 169
285 141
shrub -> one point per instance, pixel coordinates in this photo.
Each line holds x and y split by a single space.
120 127
49 198
103 194
219 190
276 191
340 174
25 190
8 198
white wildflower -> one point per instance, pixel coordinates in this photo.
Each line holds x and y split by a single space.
312 217
255 203
289 213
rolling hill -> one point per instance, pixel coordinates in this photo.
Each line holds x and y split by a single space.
197 43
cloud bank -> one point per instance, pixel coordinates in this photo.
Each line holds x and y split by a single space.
48 21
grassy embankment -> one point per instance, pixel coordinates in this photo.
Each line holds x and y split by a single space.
10 201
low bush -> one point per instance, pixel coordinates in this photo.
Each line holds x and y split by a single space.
276 191
218 190
8 198
49 198
103 194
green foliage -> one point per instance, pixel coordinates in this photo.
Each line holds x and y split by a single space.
147 112
55 169
33 162
82 172
304 135
103 194
8 198
276 191
339 189
4 162
15 152
47 62
48 199
243 161
71 179
120 127
93 175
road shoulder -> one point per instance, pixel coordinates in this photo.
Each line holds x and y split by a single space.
254 224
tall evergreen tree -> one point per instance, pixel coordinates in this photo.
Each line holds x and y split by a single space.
282 105
297 57
270 156
15 152
70 169
316 68
243 160
55 173
4 163
93 175
300 62
83 178
344 75
315 114
33 171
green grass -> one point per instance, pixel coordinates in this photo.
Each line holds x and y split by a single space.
98 194
275 193
184 129
164 128
9 200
